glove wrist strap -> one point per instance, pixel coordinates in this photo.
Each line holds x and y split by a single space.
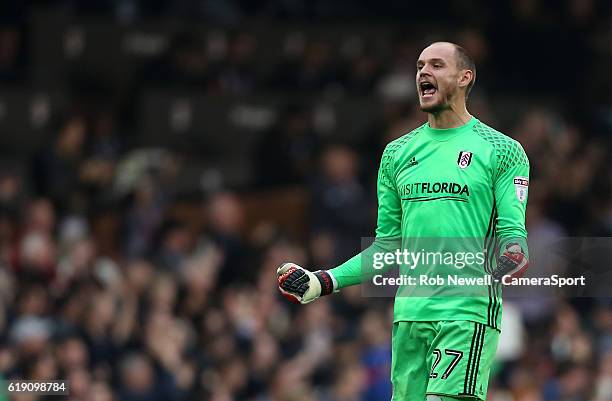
327 284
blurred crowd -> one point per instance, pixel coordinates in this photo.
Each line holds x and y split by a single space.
105 283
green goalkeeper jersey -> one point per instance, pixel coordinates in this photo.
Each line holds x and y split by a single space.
464 182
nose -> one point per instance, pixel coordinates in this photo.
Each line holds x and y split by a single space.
425 70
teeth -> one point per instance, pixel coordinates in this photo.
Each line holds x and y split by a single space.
427 88
427 85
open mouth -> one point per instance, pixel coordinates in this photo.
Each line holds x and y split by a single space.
427 89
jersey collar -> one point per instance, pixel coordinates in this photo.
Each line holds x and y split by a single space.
445 134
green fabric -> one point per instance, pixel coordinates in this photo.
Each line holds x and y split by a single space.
446 358
424 193
445 398
3 389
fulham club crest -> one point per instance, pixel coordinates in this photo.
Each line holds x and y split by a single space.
465 158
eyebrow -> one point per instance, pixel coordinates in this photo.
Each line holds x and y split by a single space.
432 60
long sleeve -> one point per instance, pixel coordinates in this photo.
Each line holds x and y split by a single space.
511 191
388 229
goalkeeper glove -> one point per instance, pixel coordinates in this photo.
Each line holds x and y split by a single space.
512 262
301 286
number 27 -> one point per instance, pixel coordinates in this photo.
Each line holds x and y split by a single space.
457 355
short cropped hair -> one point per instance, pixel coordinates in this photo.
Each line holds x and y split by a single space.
466 62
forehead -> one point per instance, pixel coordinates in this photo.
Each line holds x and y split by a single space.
443 51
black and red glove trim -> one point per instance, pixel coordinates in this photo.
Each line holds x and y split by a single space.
296 281
327 284
512 262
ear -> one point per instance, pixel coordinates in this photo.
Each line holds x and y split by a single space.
465 77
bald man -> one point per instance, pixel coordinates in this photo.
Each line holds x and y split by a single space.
453 183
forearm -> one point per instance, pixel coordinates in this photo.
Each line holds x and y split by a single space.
348 273
361 267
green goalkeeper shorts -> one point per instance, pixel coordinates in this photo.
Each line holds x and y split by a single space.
446 358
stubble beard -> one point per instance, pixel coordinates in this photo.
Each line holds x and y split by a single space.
436 107
443 104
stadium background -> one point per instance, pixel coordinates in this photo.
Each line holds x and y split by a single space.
159 159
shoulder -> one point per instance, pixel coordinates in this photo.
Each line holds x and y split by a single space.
499 141
493 136
507 150
397 145
393 148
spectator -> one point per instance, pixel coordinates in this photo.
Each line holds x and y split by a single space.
287 152
56 168
340 204
181 305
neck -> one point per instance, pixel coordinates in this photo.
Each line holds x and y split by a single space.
453 117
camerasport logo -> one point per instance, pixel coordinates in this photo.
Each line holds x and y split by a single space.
520 185
465 158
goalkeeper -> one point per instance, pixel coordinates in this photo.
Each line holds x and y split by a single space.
453 177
